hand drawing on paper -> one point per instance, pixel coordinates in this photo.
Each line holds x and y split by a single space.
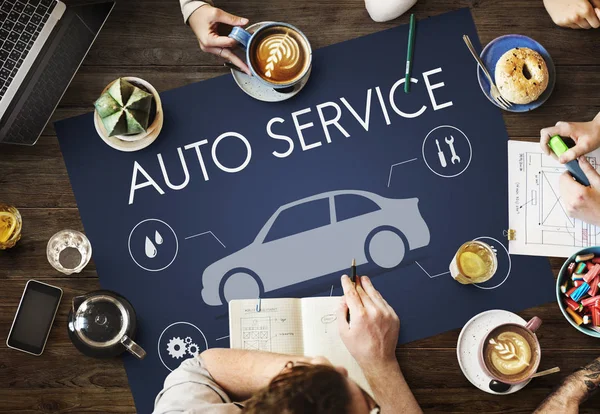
256 333
537 212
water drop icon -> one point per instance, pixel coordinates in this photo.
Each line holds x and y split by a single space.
158 238
150 248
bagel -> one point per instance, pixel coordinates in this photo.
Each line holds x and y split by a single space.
521 75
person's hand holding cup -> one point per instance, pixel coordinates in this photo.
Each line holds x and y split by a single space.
205 23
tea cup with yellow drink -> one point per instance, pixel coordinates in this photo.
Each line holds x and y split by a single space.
474 262
10 226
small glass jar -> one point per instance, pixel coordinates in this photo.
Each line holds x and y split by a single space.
69 251
474 262
10 226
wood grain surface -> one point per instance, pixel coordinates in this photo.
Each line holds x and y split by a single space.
147 38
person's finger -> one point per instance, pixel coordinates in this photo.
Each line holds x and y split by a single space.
230 19
568 186
561 128
353 301
583 23
373 293
592 18
220 41
589 171
581 148
230 56
342 315
597 10
366 299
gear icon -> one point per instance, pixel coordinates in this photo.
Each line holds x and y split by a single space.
193 350
188 340
176 347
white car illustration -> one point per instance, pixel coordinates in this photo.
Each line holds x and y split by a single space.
315 237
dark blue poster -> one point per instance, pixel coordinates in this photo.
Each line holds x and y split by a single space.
243 198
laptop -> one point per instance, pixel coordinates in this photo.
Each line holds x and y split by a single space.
42 44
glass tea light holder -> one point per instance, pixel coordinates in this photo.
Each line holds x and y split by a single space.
474 262
69 251
10 226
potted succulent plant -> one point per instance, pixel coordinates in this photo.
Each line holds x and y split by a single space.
128 114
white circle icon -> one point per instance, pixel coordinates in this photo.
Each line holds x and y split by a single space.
447 151
180 341
153 245
489 240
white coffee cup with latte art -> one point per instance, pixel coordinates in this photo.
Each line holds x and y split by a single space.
278 54
510 352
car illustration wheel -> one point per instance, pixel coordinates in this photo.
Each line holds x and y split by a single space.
240 284
386 247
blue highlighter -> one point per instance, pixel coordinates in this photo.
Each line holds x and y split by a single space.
559 147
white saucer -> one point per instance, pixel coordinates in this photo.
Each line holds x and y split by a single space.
256 88
467 347
121 145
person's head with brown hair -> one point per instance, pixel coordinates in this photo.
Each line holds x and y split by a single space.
317 388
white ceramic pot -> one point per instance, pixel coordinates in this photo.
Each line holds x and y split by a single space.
135 142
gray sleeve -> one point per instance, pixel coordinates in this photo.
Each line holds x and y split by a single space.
190 389
190 6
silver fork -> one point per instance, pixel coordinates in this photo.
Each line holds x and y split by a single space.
503 103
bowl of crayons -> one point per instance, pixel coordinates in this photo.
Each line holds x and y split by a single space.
578 291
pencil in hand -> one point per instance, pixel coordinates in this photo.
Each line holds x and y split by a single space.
354 280
409 53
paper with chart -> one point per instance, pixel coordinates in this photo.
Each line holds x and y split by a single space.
536 211
293 326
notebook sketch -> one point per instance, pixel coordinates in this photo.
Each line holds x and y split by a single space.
293 326
323 231
536 211
256 333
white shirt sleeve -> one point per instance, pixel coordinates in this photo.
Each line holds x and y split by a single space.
190 389
385 10
190 6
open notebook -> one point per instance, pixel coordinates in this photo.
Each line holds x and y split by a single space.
293 326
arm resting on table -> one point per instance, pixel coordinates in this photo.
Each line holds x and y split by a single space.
574 390
241 373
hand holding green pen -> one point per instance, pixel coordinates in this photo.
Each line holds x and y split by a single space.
580 201
585 134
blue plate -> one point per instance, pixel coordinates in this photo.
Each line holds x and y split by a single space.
492 53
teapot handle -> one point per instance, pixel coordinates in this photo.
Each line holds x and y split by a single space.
77 300
132 347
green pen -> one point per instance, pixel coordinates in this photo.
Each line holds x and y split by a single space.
558 146
409 53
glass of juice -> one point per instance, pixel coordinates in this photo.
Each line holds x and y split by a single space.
474 262
10 226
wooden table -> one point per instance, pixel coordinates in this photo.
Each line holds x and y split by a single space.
147 38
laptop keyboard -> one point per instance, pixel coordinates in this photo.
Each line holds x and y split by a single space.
20 24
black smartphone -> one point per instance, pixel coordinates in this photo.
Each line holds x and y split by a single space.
34 318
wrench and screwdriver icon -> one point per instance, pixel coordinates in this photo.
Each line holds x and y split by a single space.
450 142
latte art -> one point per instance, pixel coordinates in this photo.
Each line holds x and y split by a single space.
280 55
509 353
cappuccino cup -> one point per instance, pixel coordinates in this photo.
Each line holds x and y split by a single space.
511 352
278 54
